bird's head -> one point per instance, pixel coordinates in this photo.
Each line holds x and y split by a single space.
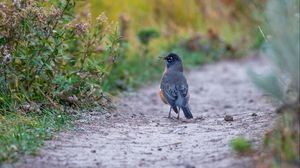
172 59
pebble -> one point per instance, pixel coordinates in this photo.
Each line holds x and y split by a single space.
227 106
228 118
253 114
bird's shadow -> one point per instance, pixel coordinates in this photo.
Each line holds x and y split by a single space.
183 120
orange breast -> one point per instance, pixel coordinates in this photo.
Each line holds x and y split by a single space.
162 97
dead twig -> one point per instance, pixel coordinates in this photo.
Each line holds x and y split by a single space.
172 144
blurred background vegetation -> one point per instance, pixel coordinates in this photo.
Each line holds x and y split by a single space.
60 55
200 31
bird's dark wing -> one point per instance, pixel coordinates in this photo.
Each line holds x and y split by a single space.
169 93
172 92
182 89
174 85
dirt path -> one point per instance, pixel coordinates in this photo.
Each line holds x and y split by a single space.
138 134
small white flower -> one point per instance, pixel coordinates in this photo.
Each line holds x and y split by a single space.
16 3
102 18
72 99
7 59
81 28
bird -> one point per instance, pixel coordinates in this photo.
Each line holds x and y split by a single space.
174 86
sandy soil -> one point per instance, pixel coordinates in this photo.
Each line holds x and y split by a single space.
139 134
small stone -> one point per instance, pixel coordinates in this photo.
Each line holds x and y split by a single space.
253 114
199 118
251 101
159 149
228 118
227 106
93 151
107 116
189 166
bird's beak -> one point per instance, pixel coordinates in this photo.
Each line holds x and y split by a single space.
162 58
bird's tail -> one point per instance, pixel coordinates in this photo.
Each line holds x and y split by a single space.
187 112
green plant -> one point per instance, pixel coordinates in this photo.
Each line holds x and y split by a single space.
146 34
49 57
282 51
240 145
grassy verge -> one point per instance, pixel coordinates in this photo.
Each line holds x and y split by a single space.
49 60
282 143
24 134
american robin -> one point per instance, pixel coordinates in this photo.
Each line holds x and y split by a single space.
174 87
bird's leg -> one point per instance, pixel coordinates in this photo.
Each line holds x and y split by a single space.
170 112
178 113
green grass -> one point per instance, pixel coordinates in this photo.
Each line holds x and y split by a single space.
131 73
240 145
22 134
